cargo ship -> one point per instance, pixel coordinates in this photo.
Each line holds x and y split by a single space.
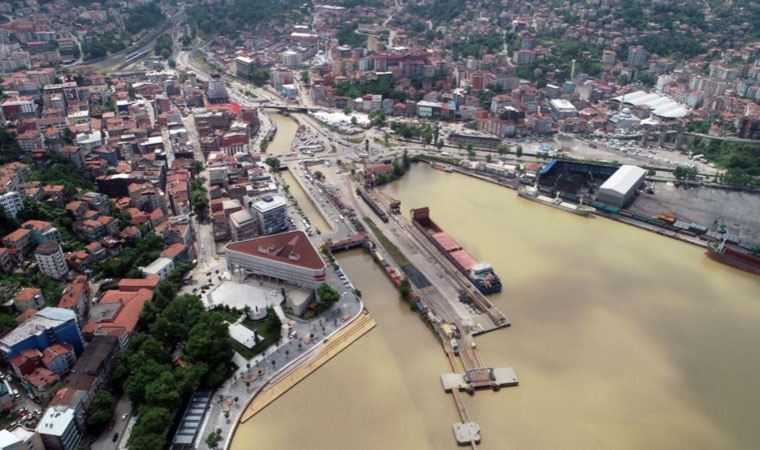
480 274
531 193
735 256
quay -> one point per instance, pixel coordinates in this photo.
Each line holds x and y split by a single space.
611 216
407 247
310 362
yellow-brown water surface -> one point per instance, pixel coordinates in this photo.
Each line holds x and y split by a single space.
621 339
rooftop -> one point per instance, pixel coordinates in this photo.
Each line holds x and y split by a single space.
44 320
291 247
55 421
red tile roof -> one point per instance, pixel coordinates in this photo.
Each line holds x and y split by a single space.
72 293
292 247
54 351
173 250
134 284
42 378
127 316
17 235
27 294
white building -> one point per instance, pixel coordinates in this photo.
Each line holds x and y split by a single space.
11 203
162 267
20 438
244 67
560 108
286 257
271 213
58 428
620 188
290 58
51 260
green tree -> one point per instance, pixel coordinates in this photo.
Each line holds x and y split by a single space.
209 343
100 410
519 151
685 173
196 167
439 144
503 150
150 428
470 151
214 439
304 76
327 294
273 162
405 288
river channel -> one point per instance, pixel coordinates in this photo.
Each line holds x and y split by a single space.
621 339
283 137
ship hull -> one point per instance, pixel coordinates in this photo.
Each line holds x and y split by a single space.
577 212
485 288
733 262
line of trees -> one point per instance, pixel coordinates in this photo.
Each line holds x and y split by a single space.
180 347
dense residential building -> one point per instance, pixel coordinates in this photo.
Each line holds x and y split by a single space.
11 203
45 328
29 298
271 213
243 225
51 260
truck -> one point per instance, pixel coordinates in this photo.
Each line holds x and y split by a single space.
454 346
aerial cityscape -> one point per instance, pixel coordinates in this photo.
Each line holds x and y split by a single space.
375 224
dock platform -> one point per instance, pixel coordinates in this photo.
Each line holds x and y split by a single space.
487 378
467 433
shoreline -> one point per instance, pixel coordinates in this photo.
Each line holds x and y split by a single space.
315 352
679 237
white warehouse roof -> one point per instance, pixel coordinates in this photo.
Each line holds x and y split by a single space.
661 105
623 180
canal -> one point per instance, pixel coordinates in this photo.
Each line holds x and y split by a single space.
307 206
283 138
621 339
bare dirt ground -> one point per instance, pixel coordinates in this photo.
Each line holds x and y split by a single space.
740 210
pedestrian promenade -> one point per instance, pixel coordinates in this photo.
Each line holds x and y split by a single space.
293 375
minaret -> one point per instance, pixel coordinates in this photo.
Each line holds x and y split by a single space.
572 70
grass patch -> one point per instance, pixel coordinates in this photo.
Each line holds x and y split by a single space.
268 328
392 250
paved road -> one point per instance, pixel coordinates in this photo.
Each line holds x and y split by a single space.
105 441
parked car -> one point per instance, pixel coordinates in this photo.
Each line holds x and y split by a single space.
115 437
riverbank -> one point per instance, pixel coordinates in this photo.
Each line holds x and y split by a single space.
618 218
330 347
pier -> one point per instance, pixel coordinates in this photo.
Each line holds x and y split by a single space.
440 286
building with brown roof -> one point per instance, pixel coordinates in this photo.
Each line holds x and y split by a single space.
286 257
117 314
29 298
19 240
59 358
51 260
76 297
135 284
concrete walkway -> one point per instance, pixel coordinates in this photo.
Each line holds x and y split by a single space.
225 412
